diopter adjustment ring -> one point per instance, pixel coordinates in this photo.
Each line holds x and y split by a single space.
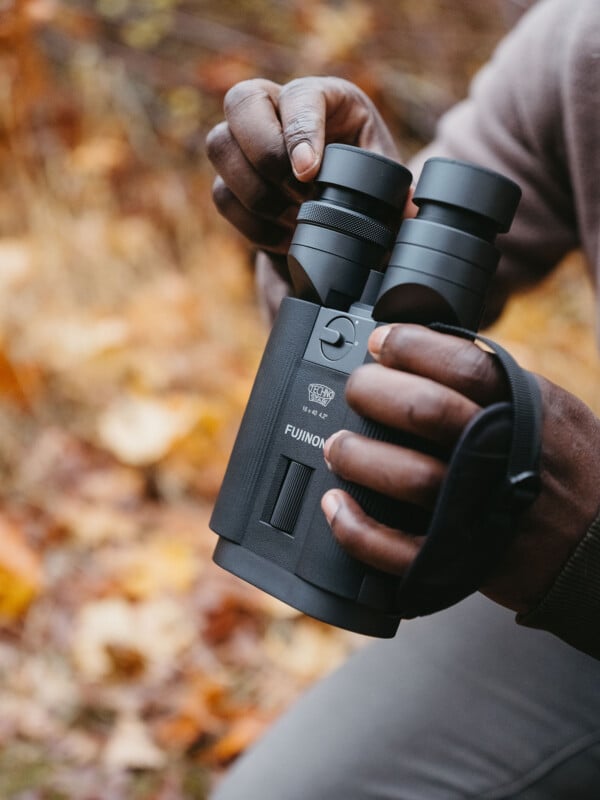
345 220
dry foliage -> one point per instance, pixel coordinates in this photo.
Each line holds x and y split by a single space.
128 343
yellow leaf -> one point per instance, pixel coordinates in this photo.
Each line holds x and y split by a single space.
68 343
141 430
161 566
99 155
20 571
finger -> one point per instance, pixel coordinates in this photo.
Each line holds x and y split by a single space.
303 110
266 234
409 403
229 205
316 110
454 362
410 209
365 539
392 470
251 112
256 194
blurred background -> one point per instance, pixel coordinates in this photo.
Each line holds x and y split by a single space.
130 667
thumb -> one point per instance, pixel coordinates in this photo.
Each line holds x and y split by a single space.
314 111
302 110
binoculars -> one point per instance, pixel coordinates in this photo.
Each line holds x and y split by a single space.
348 277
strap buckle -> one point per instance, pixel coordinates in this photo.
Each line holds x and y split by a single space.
522 489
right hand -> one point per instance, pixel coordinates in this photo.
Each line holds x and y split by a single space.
432 384
269 149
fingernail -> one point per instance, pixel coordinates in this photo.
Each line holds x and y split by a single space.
377 338
303 158
330 504
327 447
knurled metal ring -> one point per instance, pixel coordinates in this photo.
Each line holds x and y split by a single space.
346 221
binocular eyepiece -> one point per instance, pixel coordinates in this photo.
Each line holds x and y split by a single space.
442 261
349 228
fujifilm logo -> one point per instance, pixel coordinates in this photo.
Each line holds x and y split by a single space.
305 436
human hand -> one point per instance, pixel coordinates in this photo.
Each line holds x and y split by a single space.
432 384
269 149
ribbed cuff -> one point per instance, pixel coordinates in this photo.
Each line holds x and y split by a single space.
571 609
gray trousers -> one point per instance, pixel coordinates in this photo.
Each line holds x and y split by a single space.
462 704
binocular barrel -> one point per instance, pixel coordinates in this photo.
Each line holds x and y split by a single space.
349 227
444 259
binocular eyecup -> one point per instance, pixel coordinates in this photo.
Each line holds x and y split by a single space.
442 261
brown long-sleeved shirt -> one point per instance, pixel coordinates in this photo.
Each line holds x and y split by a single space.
534 115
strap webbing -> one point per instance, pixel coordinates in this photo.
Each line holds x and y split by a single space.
486 488
524 457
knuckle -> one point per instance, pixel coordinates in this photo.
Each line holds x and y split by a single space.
348 88
300 128
390 483
476 366
240 94
346 532
302 90
222 195
244 109
429 410
437 411
217 141
560 407
429 479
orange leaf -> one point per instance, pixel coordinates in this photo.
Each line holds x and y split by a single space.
238 738
20 571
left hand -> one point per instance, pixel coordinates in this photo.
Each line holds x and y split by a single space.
431 384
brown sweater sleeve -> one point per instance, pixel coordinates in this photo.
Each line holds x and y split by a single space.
514 121
534 114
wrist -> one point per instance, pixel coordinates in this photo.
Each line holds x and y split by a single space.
571 607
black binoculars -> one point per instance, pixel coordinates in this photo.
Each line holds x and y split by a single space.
349 277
